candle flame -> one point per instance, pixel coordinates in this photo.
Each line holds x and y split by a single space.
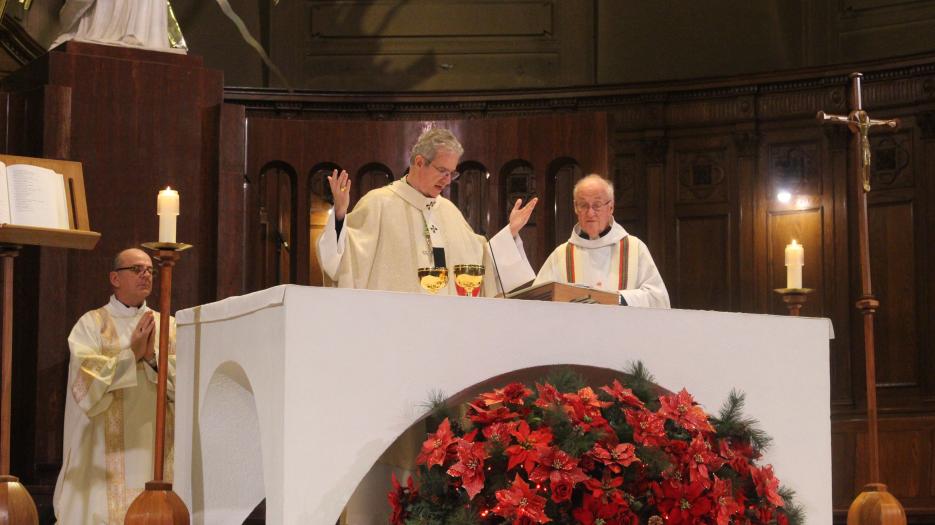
168 188
794 243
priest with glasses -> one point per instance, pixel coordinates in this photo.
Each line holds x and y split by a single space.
601 254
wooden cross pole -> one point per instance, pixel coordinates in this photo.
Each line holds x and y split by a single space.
874 505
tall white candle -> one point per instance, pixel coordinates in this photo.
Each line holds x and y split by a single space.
167 207
795 259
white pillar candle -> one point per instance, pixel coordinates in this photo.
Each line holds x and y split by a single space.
167 207
795 259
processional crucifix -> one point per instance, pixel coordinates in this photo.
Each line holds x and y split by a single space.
874 505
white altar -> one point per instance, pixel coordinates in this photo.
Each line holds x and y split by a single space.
293 361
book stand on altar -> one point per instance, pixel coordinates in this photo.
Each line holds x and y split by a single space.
16 505
565 293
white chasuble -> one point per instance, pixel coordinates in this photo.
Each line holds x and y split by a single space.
615 262
131 23
392 232
110 418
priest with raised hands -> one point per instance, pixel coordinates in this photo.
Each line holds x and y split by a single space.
395 230
600 254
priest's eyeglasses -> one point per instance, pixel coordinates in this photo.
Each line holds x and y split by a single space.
583 207
137 269
445 172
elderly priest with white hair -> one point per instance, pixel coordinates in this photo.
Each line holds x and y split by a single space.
398 229
600 254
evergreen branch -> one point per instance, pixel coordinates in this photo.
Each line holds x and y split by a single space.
731 422
793 510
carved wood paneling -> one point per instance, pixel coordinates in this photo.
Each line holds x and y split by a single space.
702 176
561 177
703 263
892 263
470 194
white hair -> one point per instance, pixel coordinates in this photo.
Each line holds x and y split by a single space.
432 141
594 177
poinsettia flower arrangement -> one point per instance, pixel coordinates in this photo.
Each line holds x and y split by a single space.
562 452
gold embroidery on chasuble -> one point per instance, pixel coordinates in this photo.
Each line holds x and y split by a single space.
114 445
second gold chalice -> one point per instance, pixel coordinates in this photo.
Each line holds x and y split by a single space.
468 279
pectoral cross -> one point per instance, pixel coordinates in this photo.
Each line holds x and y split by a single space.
860 124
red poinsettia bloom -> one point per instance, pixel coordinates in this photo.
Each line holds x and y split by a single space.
738 453
700 460
435 448
548 395
767 486
521 503
484 416
648 427
529 446
400 498
470 466
556 466
725 506
616 458
512 394
682 409
623 395
499 432
606 487
682 502
596 511
584 413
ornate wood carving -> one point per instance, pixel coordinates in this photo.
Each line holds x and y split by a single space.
891 165
624 177
794 168
701 176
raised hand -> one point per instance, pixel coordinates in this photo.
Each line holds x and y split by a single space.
141 341
341 190
519 216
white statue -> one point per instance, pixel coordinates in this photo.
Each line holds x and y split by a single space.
147 24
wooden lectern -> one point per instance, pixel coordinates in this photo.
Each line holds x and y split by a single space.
565 293
16 505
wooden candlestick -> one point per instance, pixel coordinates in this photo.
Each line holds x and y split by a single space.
795 298
16 505
158 505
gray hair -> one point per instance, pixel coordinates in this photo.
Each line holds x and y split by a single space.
432 141
595 178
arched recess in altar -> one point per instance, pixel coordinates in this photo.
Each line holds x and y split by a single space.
370 177
319 201
561 176
470 194
271 211
518 181
230 407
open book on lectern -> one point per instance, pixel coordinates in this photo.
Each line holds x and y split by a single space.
32 196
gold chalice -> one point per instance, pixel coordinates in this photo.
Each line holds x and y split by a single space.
468 279
433 279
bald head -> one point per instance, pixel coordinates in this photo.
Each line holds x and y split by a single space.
120 259
131 277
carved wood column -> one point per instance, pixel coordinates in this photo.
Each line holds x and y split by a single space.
746 145
655 152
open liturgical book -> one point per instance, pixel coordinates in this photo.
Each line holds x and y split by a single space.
32 196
